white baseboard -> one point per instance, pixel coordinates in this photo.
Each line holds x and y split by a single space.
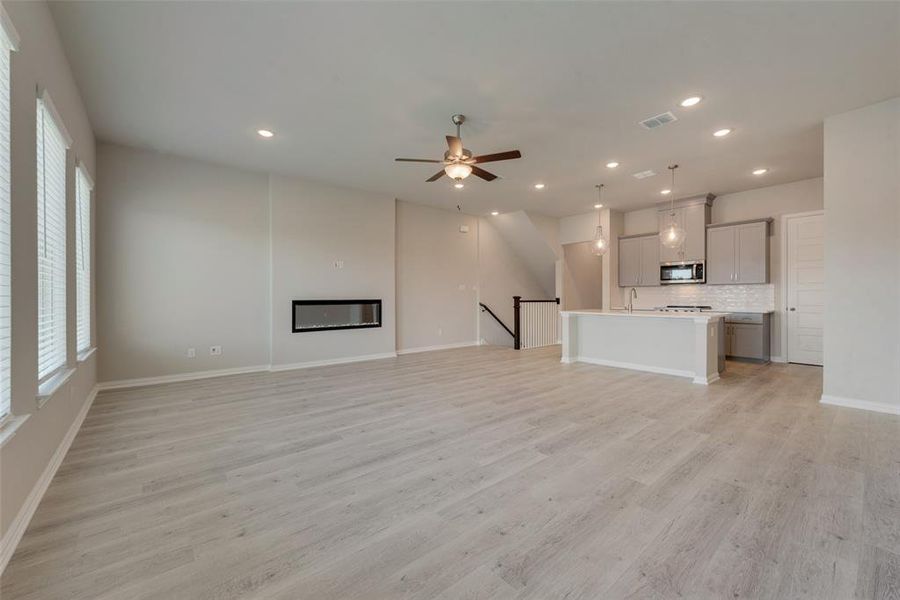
632 366
17 528
777 359
707 380
440 347
142 381
332 361
891 409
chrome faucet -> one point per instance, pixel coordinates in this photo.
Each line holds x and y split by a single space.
632 296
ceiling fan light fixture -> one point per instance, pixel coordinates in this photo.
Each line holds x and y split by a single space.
458 171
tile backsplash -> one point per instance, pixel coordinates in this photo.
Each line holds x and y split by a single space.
735 298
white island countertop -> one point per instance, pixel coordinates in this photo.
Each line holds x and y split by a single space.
653 314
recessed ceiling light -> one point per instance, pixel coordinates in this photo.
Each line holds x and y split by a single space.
539 186
760 171
598 206
495 213
612 165
692 101
665 192
265 133
722 132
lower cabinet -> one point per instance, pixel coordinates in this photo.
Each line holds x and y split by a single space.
747 335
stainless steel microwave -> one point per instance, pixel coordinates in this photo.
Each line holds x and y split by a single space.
682 272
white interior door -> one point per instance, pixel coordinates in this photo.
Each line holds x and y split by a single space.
805 288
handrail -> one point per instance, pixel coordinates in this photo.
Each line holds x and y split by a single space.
553 300
484 307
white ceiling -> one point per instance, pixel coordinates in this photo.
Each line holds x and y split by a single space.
349 86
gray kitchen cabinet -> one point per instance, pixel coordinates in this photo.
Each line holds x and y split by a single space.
692 217
747 336
738 253
649 260
629 262
638 261
720 255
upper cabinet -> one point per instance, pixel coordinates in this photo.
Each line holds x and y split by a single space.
639 261
738 252
692 215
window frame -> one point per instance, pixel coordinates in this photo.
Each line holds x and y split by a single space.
84 296
48 121
9 43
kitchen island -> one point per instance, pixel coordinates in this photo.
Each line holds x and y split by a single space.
683 344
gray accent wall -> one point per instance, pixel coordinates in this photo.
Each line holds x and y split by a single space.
183 249
437 277
194 255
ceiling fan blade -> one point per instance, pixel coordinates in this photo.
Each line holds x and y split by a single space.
436 176
495 157
421 160
455 145
483 174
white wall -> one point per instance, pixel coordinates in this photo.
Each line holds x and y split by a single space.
437 277
39 62
182 263
772 201
313 226
862 257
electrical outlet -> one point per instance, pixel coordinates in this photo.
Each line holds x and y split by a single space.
192 353
215 350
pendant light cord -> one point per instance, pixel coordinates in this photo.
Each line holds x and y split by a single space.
672 190
600 202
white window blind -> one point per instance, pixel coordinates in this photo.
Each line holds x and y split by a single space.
51 214
83 258
5 264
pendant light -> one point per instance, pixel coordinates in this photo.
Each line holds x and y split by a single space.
600 245
672 235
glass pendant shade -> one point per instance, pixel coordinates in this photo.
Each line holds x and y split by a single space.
599 245
672 236
458 171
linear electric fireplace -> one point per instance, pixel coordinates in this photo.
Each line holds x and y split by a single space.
325 315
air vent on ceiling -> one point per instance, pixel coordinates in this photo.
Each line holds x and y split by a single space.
658 120
644 174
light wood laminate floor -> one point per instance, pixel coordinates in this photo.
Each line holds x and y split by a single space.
471 473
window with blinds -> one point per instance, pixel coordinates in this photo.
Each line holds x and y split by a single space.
5 277
51 234
83 258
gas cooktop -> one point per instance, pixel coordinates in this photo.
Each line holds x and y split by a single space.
683 308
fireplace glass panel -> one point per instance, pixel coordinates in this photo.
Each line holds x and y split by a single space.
322 315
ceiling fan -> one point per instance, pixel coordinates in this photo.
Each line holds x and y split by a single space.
459 162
